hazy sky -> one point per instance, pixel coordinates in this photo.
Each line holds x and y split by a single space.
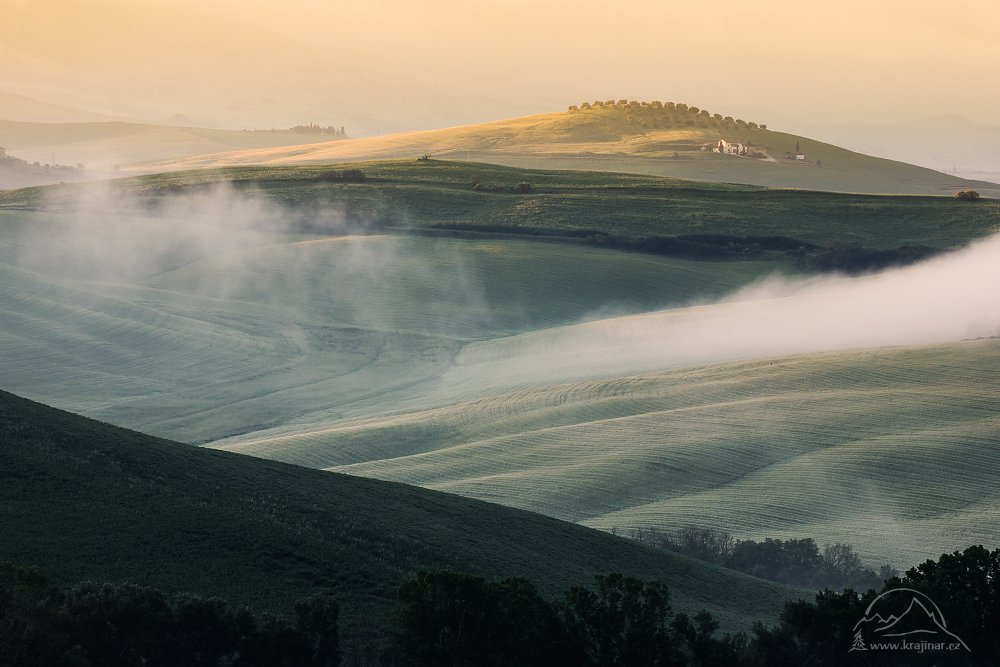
380 65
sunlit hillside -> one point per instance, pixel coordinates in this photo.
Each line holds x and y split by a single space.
649 138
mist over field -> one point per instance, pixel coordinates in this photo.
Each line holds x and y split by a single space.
360 333
199 245
947 298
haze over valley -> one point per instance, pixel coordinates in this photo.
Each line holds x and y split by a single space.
453 334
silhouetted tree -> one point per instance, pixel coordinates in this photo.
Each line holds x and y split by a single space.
623 622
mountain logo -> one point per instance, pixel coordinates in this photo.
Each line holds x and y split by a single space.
904 619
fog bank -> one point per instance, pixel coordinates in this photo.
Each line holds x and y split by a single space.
948 298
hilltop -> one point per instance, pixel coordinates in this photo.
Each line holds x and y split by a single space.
663 139
87 500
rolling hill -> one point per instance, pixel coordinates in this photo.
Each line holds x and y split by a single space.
409 325
654 214
87 500
892 450
102 146
632 138
14 107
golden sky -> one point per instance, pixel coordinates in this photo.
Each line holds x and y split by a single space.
380 65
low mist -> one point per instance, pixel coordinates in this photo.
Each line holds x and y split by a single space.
99 233
307 298
949 298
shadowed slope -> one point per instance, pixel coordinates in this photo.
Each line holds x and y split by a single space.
87 500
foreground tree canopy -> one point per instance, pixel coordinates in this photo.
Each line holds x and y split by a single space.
455 619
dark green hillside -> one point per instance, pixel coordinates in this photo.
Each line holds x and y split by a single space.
648 213
86 500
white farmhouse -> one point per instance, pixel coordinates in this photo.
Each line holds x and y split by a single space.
730 148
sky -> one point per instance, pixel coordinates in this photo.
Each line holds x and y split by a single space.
385 65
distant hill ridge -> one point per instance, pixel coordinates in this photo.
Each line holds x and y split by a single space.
656 138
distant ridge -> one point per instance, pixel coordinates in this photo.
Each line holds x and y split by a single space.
655 138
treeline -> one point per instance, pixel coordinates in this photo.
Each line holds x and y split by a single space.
8 160
124 625
454 619
853 258
797 562
311 128
657 114
448 618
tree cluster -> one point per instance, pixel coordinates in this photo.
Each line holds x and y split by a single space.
853 258
10 161
124 625
447 618
798 562
310 128
657 114
967 195
313 128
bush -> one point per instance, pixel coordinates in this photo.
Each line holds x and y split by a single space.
522 187
967 195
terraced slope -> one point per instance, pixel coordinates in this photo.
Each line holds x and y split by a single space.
87 500
896 451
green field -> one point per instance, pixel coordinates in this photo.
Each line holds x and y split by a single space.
510 347
608 210
893 450
86 500
198 346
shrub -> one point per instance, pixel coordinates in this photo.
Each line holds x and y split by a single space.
967 195
523 186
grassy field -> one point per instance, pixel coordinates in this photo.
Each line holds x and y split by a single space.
652 214
894 450
209 337
410 326
641 140
86 500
